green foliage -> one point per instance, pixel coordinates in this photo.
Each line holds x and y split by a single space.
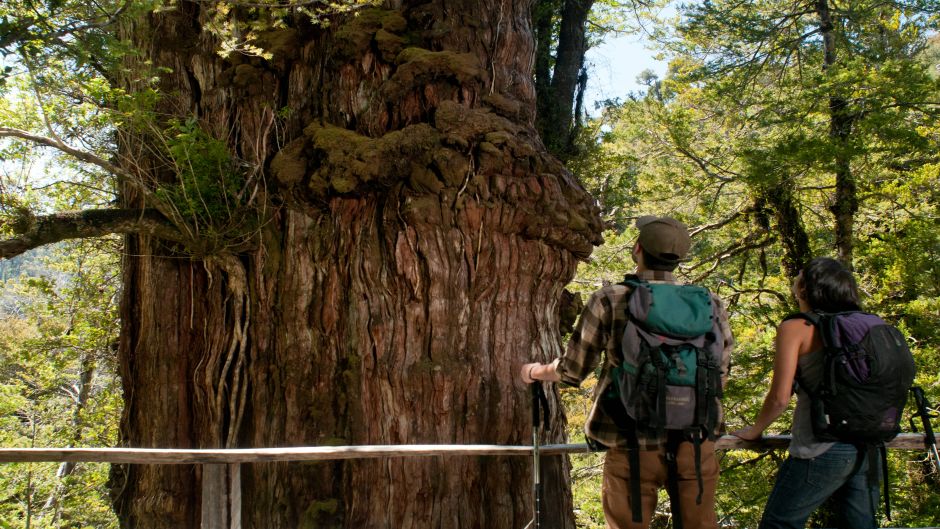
245 28
209 185
743 116
740 129
59 386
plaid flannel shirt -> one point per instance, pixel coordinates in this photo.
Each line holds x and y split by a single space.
598 333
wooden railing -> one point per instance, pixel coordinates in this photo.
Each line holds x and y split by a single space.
221 483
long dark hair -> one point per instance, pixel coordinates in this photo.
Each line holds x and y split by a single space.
828 286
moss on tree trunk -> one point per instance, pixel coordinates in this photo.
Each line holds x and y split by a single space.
414 243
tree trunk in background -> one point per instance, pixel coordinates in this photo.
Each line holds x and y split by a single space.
561 91
841 122
417 240
789 226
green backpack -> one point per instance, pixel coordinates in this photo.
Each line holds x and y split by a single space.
669 383
670 378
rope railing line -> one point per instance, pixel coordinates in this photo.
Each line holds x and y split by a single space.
176 456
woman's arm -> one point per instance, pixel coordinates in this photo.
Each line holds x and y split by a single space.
793 336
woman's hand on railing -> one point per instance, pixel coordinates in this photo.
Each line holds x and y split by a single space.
748 433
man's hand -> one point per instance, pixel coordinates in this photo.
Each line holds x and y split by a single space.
526 372
535 371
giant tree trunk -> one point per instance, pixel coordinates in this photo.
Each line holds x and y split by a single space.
415 241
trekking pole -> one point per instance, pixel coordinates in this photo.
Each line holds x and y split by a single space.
538 400
926 413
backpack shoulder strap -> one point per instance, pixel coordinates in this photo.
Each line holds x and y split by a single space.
632 281
824 323
811 317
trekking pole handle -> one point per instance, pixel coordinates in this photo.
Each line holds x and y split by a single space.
924 412
539 400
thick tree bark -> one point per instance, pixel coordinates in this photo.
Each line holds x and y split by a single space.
415 244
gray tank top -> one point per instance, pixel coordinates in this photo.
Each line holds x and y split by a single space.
804 444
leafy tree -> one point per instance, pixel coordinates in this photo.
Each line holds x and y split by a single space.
780 132
830 89
564 31
58 366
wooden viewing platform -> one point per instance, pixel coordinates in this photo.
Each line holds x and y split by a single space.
221 473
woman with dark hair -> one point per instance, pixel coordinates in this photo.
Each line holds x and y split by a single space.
815 470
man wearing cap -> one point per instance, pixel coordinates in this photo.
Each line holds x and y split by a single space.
662 243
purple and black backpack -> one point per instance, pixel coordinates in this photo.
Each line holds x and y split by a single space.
867 374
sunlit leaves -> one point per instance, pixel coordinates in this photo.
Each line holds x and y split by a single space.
241 25
58 383
742 117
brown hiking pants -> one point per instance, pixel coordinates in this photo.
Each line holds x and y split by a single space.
653 471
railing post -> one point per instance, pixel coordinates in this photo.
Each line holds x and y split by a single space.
235 495
221 496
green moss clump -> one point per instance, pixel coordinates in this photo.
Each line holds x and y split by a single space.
455 119
465 66
348 159
289 164
490 157
418 66
412 141
503 105
389 44
346 155
354 37
498 137
344 183
15 217
453 166
283 42
393 22
423 180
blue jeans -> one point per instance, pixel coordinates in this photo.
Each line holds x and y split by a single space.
804 484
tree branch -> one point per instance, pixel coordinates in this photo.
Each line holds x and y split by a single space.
84 156
746 245
57 227
20 29
780 297
720 224
87 157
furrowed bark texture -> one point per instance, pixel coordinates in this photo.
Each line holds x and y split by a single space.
416 241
